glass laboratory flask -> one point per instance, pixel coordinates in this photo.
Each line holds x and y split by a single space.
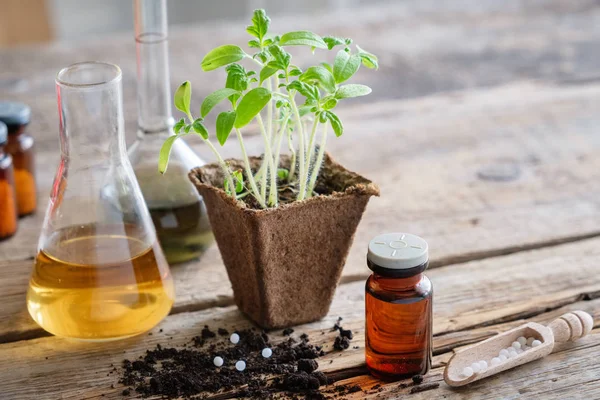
99 272
176 208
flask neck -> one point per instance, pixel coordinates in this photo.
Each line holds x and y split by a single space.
152 48
90 105
397 284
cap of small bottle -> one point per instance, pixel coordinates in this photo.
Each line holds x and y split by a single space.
398 254
12 113
3 133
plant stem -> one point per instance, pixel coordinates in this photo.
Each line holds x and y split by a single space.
301 147
318 162
268 158
270 111
293 151
223 165
279 139
311 149
249 170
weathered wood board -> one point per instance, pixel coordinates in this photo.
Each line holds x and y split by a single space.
461 215
464 319
481 132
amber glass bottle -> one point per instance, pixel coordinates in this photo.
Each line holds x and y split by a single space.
8 205
398 307
20 146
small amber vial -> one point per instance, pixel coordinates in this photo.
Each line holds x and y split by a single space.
398 307
8 203
20 146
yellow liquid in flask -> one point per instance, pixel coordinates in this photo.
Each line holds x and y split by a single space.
94 282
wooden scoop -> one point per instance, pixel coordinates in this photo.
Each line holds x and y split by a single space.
568 327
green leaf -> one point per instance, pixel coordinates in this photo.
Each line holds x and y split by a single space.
250 105
165 152
180 124
215 98
304 110
329 104
302 38
281 58
183 96
352 90
266 72
335 122
295 72
327 66
333 41
262 56
221 56
237 79
345 65
239 181
305 89
369 60
225 122
187 128
254 43
321 76
238 177
260 24
283 174
200 129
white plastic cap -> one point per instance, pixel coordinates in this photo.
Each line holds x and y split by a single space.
398 251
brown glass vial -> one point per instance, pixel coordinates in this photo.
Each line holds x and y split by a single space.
16 116
8 203
398 303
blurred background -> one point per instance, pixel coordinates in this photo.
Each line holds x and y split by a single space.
76 20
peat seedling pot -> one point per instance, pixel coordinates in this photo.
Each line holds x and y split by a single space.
284 263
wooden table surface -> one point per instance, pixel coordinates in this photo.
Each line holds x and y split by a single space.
482 133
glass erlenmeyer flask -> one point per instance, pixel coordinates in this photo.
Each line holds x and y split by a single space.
99 273
177 210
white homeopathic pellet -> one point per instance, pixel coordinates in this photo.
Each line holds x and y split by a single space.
483 364
475 366
522 341
240 365
495 361
530 340
516 345
267 352
504 353
503 357
234 338
218 361
535 343
467 372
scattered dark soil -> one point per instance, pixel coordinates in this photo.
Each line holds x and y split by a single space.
186 372
342 342
307 365
417 379
288 331
424 387
223 332
207 333
337 325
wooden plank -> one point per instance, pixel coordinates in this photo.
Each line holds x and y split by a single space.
469 295
437 192
571 372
